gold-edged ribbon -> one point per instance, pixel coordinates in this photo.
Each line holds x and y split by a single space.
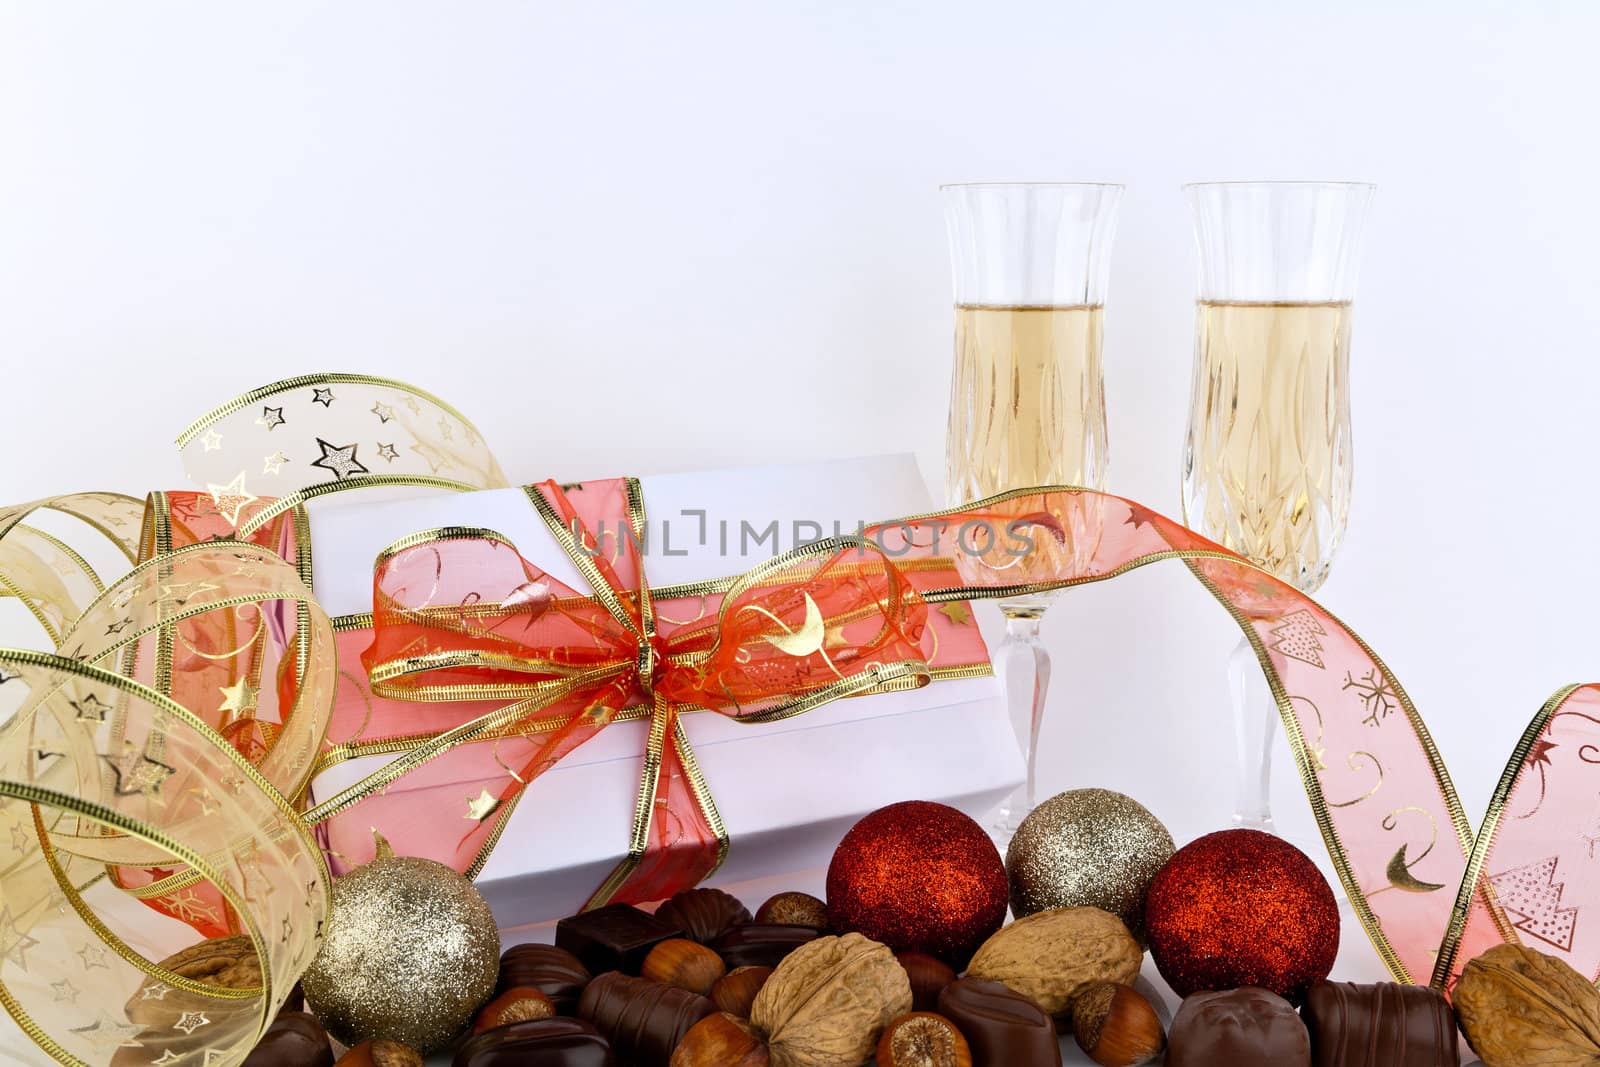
102 772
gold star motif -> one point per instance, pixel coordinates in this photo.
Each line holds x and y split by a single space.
271 418
211 441
207 803
274 463
239 697
340 459
180 593
93 956
232 498
383 411
437 460
324 397
481 807
288 932
119 626
138 773
106 1034
445 430
191 1021
21 839
387 452
957 611
14 944
411 402
90 709
65 992
167 1057
1317 759
156 992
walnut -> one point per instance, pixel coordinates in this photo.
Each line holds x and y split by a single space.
828 1001
1521 1008
1052 956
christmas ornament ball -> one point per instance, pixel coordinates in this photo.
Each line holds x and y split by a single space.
1242 908
1087 847
411 953
919 877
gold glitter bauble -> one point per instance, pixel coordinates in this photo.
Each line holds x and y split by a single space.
411 953
1087 847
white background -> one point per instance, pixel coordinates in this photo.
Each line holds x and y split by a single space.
636 238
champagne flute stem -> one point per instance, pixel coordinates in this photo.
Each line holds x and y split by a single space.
1255 718
1025 669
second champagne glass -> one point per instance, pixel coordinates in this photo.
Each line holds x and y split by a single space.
1027 398
1267 459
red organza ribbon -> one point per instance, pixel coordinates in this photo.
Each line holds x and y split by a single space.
460 616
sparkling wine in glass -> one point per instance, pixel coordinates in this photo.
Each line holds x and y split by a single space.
1027 397
1267 459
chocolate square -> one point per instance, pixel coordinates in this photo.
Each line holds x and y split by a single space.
616 937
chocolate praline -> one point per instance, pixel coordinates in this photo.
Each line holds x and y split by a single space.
1246 1027
1003 1028
1380 1025
295 1039
704 914
762 944
555 972
554 1042
643 1020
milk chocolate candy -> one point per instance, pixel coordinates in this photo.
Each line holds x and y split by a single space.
553 971
643 1020
1246 1027
1382 1025
295 1039
553 1042
761 944
1003 1029
616 937
704 914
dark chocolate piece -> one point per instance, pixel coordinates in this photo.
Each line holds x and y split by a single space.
1382 1025
1246 1027
761 944
294 1039
553 1042
1004 1029
555 972
616 937
704 914
643 1020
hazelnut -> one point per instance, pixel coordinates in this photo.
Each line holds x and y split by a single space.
794 909
381 1053
516 1005
721 1040
923 1039
685 964
1116 1026
735 991
928 978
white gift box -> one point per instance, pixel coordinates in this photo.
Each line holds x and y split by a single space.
787 791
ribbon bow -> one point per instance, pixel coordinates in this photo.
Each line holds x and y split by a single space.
459 615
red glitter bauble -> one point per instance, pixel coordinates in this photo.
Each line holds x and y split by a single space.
919 877
1242 908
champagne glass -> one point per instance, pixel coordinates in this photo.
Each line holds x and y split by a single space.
1027 397
1267 460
